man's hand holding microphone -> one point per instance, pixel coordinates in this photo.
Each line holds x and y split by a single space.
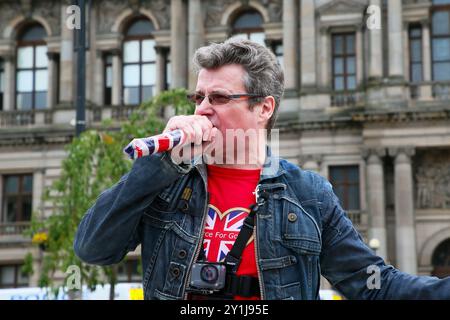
180 131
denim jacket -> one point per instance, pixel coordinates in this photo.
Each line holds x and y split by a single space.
301 232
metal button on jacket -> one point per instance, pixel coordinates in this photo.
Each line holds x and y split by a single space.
176 272
182 254
292 217
185 206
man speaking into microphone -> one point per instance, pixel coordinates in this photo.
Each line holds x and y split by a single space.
221 219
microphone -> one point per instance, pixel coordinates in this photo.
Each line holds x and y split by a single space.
141 147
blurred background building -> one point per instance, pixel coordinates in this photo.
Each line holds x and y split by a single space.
367 108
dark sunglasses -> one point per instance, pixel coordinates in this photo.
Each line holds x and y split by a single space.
219 98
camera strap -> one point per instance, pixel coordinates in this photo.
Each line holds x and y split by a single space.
234 256
245 286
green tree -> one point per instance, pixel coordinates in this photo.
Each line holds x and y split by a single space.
94 162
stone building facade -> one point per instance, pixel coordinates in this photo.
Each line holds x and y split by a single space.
367 102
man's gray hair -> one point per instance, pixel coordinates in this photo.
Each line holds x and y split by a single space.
264 74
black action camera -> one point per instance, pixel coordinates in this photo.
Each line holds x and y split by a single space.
208 276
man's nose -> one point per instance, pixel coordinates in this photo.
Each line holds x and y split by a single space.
204 108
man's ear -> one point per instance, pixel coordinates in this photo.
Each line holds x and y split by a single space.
266 109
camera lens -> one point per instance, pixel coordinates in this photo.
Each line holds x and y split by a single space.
209 274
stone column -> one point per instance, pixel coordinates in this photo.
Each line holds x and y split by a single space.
37 206
178 44
117 77
308 44
99 78
66 85
10 85
52 82
395 39
290 43
38 189
426 90
376 49
426 50
196 36
160 69
404 210
376 199
37 266
324 57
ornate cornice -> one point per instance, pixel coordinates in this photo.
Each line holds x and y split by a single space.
109 10
41 137
357 118
392 116
316 124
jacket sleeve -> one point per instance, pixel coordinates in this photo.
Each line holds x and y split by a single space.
108 230
355 270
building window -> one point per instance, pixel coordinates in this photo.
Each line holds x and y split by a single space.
248 25
17 198
345 181
32 63
344 61
128 271
11 276
2 83
277 48
415 53
108 76
440 28
139 62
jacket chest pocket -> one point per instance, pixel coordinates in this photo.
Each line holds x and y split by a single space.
168 202
299 230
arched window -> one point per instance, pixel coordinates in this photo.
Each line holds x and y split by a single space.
139 62
441 259
248 25
31 75
441 39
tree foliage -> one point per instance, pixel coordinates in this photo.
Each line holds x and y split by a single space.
94 162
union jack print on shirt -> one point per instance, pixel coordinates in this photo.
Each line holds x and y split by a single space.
221 231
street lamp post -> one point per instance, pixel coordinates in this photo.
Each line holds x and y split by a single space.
80 124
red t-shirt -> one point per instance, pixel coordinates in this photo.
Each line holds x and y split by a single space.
231 194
